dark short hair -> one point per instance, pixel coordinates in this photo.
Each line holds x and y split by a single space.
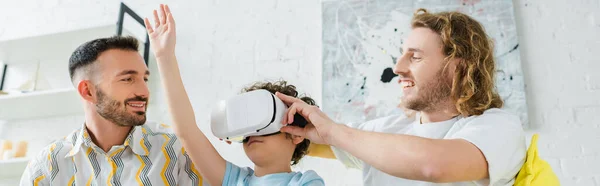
88 52
290 90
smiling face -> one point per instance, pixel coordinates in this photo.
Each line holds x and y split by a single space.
424 78
110 76
122 92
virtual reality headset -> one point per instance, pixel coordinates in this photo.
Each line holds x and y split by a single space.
254 113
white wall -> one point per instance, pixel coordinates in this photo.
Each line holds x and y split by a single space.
560 42
223 45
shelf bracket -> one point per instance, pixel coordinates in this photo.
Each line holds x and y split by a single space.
3 76
124 9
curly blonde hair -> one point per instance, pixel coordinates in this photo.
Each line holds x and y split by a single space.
464 38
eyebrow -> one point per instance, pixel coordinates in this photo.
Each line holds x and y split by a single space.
414 50
131 72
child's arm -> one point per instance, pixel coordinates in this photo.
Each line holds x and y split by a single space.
208 161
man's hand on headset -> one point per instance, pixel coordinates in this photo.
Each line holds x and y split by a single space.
319 126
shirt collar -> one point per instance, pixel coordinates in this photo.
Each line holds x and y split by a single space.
136 140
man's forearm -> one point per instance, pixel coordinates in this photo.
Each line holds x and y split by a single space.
409 157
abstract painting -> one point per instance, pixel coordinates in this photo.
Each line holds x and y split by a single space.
362 40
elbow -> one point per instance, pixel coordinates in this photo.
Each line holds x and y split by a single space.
432 173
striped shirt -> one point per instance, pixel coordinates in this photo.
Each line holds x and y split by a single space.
151 155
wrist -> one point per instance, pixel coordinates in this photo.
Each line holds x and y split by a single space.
336 132
165 57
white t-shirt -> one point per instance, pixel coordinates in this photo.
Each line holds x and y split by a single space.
497 133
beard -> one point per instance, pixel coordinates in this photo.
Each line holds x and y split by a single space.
431 94
116 112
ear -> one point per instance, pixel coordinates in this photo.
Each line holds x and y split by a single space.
86 90
452 65
297 139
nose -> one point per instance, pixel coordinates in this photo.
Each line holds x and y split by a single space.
142 90
401 67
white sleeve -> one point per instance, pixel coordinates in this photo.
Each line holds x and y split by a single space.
36 172
501 139
346 158
389 124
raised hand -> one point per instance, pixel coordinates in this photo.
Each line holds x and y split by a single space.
162 35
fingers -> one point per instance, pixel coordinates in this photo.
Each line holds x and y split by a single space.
163 15
284 120
148 26
156 20
293 130
170 22
291 112
170 19
167 9
311 113
303 109
288 100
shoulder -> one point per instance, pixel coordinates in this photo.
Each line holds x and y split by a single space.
497 113
494 118
154 128
60 147
235 174
157 132
309 177
396 118
388 123
311 174
499 135
55 152
158 137
492 123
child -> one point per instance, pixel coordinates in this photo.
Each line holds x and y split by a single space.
272 155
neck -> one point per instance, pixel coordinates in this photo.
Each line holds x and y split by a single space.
105 134
272 168
441 112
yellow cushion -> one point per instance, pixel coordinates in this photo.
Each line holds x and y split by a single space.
535 171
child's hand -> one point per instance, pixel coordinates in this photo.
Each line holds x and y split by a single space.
162 36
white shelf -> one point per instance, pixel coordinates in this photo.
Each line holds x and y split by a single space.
40 104
12 168
56 46
10 181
